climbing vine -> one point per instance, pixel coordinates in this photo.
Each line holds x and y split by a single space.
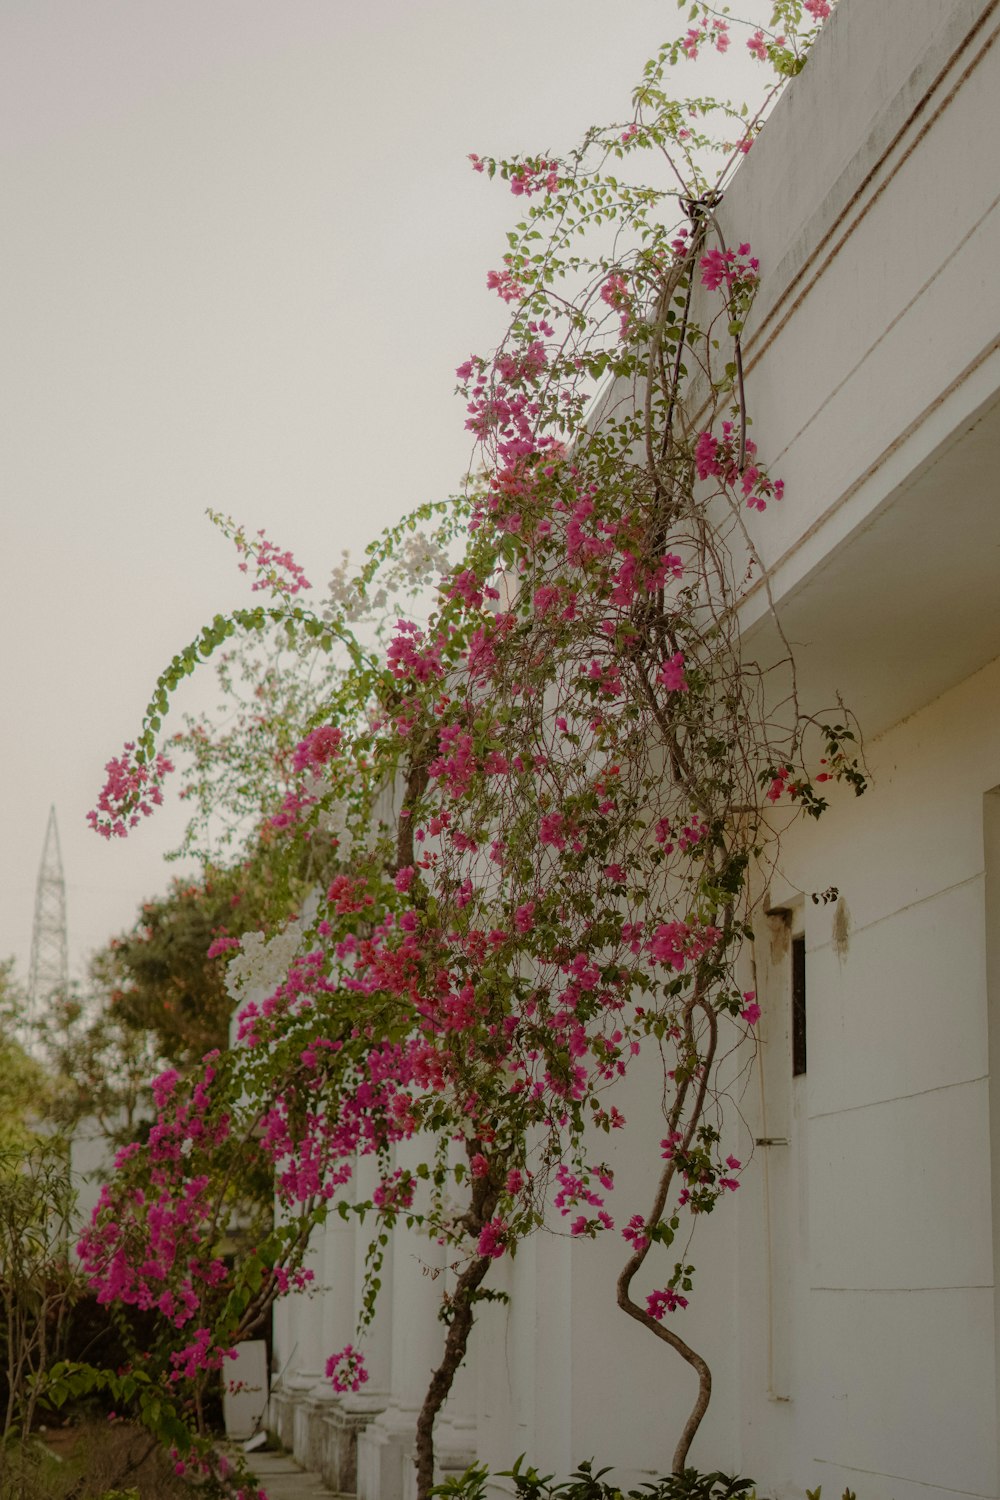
536 802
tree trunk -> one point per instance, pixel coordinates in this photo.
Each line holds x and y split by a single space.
485 1194
455 1346
698 1073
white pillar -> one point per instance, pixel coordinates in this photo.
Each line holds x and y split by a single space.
386 1448
377 1341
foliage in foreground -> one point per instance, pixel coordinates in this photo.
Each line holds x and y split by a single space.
586 1483
102 1461
37 1285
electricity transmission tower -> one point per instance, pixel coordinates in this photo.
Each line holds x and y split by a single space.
49 962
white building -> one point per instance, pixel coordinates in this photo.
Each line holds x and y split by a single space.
847 1296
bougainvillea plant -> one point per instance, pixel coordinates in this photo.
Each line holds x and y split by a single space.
537 799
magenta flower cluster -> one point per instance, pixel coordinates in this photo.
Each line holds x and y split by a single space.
132 789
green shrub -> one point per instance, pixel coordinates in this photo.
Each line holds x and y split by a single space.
586 1484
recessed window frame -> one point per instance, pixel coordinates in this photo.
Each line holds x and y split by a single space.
799 1012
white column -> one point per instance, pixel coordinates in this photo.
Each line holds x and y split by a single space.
298 1351
338 1311
386 1448
307 1363
377 1341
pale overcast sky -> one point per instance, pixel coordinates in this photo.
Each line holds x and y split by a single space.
243 253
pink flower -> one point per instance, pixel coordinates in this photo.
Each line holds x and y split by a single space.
222 944
277 571
669 565
757 46
778 783
751 474
713 269
658 1303
551 830
545 598
706 451
671 674
818 9
750 1011
505 286
614 292
163 1087
662 834
132 788
737 271
410 655
635 1233
691 42
395 1192
677 943
625 581
533 176
524 917
493 1239
346 1370
317 748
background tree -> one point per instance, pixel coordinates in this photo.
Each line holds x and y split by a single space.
165 978
37 1284
25 1087
102 1067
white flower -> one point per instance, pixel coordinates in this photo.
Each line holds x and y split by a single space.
262 963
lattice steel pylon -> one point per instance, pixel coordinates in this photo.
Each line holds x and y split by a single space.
49 956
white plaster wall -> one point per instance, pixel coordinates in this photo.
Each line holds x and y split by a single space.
846 1302
886 1304
900 303
568 1376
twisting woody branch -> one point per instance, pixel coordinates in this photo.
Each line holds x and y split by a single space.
535 810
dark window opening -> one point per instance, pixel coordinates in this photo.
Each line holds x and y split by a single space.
798 1005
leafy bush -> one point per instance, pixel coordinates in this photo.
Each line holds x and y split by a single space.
100 1461
37 1284
586 1484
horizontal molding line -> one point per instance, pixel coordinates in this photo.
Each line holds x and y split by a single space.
939 1088
753 352
873 468
923 1484
909 1291
921 291
945 890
